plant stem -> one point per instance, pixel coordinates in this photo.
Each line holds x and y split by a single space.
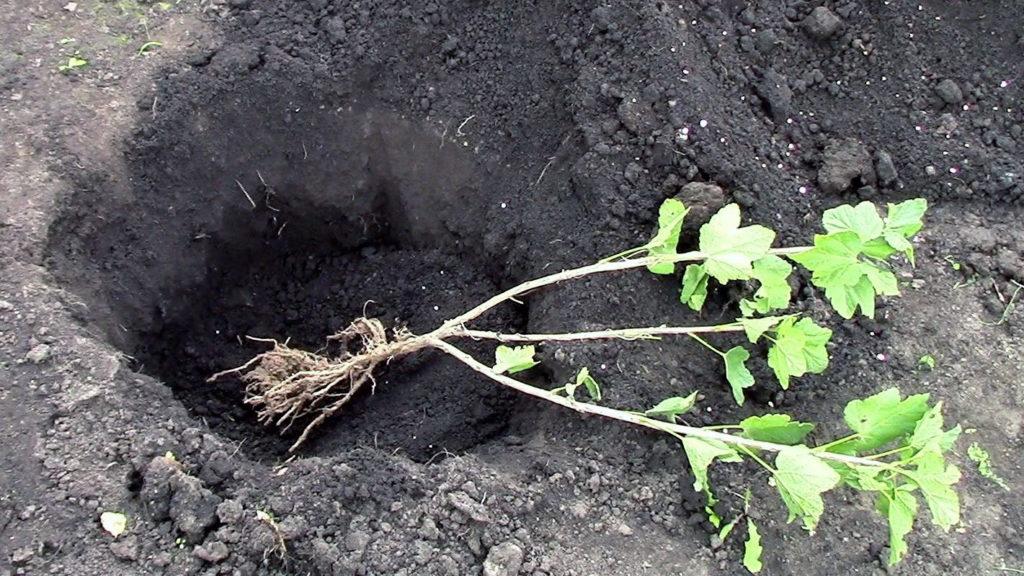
889 452
573 273
630 417
649 333
824 447
704 343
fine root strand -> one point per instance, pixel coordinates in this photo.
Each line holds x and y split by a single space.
286 385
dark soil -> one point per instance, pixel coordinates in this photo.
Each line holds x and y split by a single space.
284 167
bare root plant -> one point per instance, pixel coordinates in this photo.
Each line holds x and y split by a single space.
897 445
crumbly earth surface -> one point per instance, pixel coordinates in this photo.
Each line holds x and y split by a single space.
177 176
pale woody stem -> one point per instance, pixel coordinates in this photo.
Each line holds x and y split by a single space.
631 417
574 273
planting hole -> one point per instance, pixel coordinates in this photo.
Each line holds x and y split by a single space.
266 213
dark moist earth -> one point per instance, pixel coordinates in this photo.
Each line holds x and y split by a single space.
276 168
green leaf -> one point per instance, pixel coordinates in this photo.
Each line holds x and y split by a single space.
846 299
756 327
980 457
736 372
727 529
774 292
866 478
73 63
863 220
799 349
145 48
695 287
935 479
906 217
833 260
776 428
929 435
752 549
701 453
928 361
883 281
665 241
884 417
512 359
731 250
583 378
901 223
902 509
801 478
848 281
669 408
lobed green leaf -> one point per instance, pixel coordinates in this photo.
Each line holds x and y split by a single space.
701 453
665 241
736 372
583 378
669 408
695 287
801 478
882 418
774 291
900 512
776 428
935 479
863 220
731 250
756 327
752 549
799 348
513 359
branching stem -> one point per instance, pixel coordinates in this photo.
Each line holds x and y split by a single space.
650 333
599 268
631 417
286 385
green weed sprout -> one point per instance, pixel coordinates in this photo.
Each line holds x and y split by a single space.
896 446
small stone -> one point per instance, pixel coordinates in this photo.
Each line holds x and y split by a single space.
844 163
505 559
125 549
950 92
633 172
41 353
357 541
625 530
885 168
774 89
429 529
229 511
22 556
821 23
471 508
6 306
212 552
703 200
193 508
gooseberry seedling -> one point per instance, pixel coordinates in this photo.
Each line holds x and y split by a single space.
896 447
